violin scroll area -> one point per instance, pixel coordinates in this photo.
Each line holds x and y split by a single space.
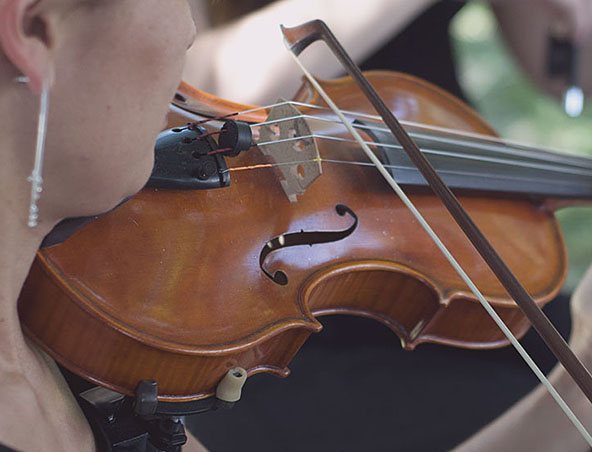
298 38
287 139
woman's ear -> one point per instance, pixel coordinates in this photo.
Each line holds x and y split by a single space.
25 39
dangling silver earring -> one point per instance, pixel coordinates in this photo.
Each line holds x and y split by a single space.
21 79
35 177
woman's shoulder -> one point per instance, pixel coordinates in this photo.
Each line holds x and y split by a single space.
39 412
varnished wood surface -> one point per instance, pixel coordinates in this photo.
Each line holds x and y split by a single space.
168 287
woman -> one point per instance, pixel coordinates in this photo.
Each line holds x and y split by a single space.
108 99
110 85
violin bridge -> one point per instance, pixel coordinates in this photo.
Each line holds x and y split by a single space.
288 140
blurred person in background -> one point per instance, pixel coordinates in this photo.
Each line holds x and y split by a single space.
247 62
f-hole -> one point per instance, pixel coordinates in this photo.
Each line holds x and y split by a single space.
304 238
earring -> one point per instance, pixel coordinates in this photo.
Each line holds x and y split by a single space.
35 177
21 79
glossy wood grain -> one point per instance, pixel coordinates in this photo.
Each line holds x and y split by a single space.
168 287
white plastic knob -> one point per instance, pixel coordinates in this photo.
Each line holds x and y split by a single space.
229 388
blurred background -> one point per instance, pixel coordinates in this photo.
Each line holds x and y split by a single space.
518 110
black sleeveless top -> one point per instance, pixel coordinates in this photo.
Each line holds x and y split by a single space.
423 49
6 449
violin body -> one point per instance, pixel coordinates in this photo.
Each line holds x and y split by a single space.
168 287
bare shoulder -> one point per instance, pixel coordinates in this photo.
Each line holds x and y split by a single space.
40 413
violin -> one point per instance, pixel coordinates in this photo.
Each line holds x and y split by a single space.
180 286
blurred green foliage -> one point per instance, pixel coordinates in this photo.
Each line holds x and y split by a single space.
519 111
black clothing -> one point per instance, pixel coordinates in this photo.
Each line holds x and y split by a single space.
423 49
352 388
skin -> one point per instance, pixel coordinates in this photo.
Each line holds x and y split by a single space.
109 98
536 422
575 14
563 18
253 43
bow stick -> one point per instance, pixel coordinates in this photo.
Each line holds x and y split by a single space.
298 39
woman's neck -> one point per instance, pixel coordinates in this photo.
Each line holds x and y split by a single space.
18 242
18 245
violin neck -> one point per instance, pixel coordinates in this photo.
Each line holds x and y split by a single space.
491 166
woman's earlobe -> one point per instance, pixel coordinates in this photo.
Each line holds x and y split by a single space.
24 41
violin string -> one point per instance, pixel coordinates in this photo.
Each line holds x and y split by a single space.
517 148
206 120
389 166
203 136
528 153
514 145
219 151
412 124
272 165
456 155
209 134
426 226
465 277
